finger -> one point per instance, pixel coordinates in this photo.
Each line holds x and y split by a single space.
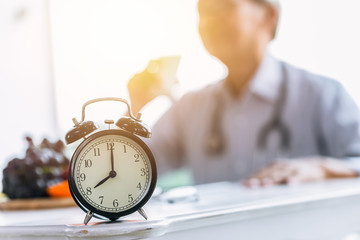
251 182
279 175
267 182
274 173
291 180
267 171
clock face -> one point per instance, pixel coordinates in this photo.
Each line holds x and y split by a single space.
113 173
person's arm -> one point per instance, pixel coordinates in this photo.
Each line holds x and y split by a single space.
156 79
338 124
166 141
143 87
167 138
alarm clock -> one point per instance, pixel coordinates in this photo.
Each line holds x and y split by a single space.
112 172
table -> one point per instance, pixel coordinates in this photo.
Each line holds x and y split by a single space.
325 210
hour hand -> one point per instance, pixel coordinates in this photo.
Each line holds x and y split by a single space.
111 175
102 181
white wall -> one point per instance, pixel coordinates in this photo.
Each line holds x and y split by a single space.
26 93
99 45
322 36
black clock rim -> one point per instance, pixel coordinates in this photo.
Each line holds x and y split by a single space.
83 204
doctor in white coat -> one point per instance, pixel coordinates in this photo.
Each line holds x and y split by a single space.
267 122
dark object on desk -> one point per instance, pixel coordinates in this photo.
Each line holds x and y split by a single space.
42 166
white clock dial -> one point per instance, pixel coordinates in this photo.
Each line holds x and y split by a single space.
112 173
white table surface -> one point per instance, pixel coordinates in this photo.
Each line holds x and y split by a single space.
326 210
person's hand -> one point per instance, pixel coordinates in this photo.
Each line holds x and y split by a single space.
291 171
143 87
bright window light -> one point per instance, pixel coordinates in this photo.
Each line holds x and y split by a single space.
99 45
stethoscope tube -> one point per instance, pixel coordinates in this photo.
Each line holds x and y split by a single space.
216 142
276 121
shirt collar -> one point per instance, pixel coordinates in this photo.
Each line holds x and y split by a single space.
267 80
265 83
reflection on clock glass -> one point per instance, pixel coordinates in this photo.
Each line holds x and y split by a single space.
112 173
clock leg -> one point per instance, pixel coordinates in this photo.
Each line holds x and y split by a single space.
142 213
88 216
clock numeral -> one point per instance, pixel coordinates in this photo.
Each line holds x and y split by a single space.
110 146
136 156
116 203
96 152
138 186
101 199
130 198
82 177
88 191
124 148
88 163
143 172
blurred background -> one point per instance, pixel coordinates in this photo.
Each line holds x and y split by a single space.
57 54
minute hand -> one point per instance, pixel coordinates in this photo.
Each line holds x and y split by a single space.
112 173
112 159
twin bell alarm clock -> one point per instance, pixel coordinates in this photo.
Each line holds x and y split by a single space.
112 172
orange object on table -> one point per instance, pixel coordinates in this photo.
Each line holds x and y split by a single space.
59 190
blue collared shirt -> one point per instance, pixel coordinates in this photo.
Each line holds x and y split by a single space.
322 119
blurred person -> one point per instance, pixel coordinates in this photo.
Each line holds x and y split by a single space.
267 122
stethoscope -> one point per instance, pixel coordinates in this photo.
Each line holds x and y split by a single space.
216 142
